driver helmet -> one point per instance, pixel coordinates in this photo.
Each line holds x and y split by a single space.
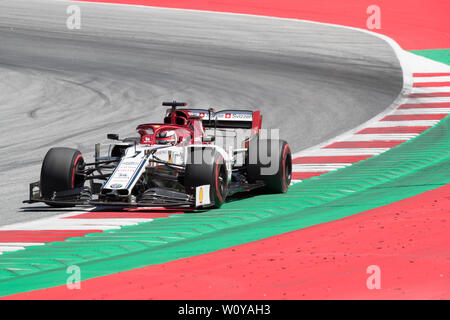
166 137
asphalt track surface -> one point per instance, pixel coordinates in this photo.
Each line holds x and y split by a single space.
61 87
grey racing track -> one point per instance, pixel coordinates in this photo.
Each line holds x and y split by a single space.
61 87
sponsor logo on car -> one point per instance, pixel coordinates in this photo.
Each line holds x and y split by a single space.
122 175
235 116
200 196
241 116
116 186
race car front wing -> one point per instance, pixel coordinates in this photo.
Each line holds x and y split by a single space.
154 197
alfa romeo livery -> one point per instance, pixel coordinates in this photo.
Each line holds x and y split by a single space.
195 158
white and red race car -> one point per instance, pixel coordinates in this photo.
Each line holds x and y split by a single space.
195 158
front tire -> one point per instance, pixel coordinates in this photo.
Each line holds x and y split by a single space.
211 170
59 171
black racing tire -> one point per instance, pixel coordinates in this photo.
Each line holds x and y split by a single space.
58 172
210 170
275 150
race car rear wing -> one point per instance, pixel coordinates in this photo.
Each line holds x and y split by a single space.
234 119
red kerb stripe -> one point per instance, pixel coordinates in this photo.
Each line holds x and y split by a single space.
431 84
424 74
406 117
330 159
306 175
393 130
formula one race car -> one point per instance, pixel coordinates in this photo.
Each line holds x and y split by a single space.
196 158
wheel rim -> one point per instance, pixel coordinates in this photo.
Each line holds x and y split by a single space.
78 177
221 182
287 168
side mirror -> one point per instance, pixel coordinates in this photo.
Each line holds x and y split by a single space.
112 136
209 139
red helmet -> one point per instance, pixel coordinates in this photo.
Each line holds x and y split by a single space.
166 137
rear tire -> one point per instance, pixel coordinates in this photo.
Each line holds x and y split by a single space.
210 171
275 150
58 172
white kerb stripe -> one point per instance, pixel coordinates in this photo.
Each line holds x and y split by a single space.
428 100
431 79
347 151
422 111
382 137
319 167
10 248
20 244
430 89
405 123
76 224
